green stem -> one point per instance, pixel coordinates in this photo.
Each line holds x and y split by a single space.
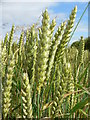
46 111
41 105
38 104
34 101
21 107
49 98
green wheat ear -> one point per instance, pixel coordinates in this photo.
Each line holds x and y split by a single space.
8 87
10 40
66 35
5 40
43 50
26 97
82 44
34 62
70 86
58 90
52 28
30 53
55 43
61 76
4 55
20 43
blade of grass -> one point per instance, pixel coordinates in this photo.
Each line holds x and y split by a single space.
84 113
81 87
79 105
79 94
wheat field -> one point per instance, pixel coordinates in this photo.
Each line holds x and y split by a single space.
43 77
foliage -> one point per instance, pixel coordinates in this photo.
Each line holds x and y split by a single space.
87 44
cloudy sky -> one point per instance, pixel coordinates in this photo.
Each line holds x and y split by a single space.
26 12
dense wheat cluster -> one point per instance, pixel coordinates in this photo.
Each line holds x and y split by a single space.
41 76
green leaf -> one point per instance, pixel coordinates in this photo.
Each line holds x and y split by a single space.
79 94
85 114
79 105
83 88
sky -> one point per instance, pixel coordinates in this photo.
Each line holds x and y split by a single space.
26 12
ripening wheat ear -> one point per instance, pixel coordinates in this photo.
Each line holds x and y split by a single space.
70 87
20 49
56 41
14 46
52 28
8 87
66 35
76 67
81 49
26 49
10 40
62 75
34 61
20 43
4 55
26 97
5 40
32 56
43 50
30 50
58 89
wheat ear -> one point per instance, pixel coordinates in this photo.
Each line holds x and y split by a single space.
43 50
66 35
7 89
56 41
26 97
82 44
10 40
